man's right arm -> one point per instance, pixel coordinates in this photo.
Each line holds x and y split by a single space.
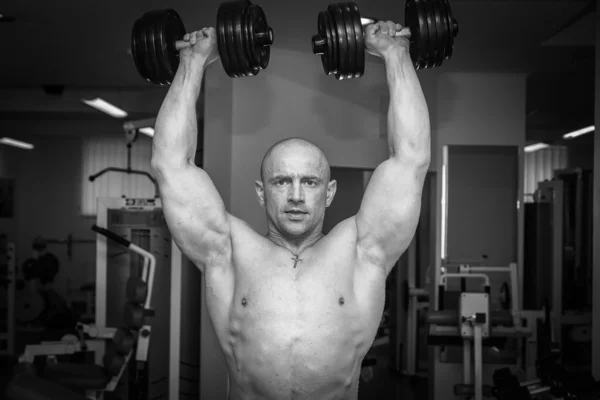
194 210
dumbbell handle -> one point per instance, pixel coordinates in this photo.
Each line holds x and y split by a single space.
405 32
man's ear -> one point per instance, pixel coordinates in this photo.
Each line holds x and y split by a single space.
331 189
260 192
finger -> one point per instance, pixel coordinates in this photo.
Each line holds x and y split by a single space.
186 37
398 27
372 29
391 28
383 27
404 32
209 32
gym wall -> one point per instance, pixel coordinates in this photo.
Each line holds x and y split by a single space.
48 192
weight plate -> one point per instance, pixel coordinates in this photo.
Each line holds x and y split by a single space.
222 39
348 18
424 31
341 41
253 48
175 31
411 20
163 70
447 28
360 41
138 50
263 36
453 32
248 40
432 38
332 44
236 22
229 41
335 44
320 42
442 31
151 49
146 49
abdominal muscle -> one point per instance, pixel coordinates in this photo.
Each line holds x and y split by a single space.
298 338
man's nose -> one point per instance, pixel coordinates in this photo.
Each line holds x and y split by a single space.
296 193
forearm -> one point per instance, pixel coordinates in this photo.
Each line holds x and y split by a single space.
408 117
176 128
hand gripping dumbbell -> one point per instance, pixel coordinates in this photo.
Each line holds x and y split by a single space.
341 43
243 38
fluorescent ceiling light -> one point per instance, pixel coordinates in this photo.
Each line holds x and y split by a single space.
535 147
105 107
579 132
16 143
147 131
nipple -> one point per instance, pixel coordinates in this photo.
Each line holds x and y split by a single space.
244 302
341 301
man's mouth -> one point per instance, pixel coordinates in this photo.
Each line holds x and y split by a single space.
295 212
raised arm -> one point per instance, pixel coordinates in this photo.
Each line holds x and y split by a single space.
194 210
390 209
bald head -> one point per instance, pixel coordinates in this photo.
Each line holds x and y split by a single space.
284 149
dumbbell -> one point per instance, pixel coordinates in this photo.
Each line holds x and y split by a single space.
243 38
341 44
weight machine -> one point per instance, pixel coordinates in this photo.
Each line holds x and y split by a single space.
558 236
171 361
77 381
474 326
7 290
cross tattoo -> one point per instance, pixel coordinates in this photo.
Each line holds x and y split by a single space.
296 259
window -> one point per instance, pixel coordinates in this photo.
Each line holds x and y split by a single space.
540 165
103 152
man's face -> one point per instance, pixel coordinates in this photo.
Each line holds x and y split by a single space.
295 189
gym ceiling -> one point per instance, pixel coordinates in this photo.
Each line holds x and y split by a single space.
82 44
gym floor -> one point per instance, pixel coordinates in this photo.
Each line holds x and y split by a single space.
384 385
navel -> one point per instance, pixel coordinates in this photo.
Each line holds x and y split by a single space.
244 302
341 301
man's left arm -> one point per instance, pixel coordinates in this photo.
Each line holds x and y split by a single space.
390 209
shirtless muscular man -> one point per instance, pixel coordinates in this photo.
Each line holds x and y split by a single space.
295 311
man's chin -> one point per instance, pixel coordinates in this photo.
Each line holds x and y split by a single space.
294 229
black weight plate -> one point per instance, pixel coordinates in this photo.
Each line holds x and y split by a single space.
247 40
238 41
323 35
164 71
360 41
229 41
253 50
442 31
332 44
430 17
151 49
424 32
411 20
138 48
451 22
445 27
222 39
175 31
261 25
339 31
349 22
146 49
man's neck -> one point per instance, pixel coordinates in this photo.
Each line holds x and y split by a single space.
294 245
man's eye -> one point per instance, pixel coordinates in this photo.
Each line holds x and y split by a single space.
280 182
311 183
